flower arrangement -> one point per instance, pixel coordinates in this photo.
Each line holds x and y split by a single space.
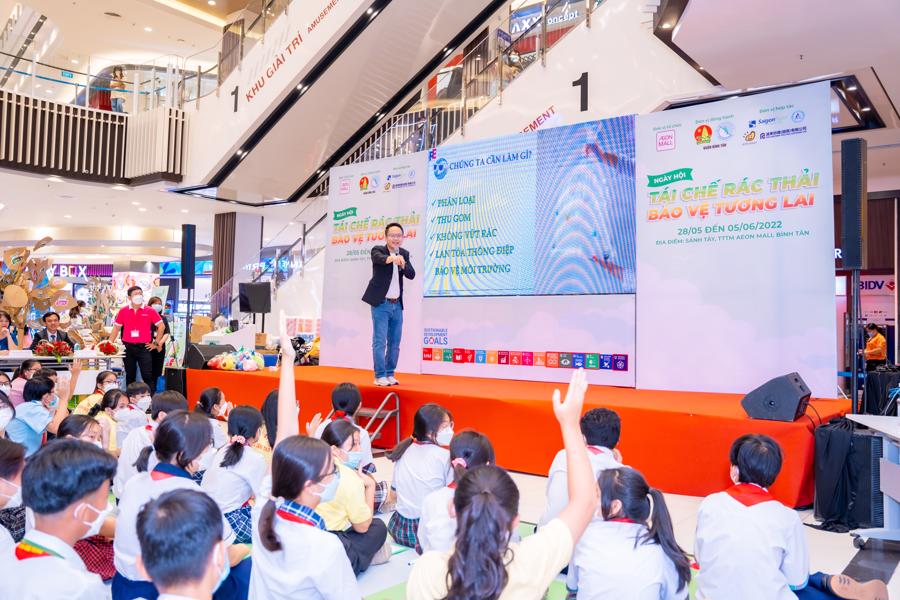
108 348
240 360
57 349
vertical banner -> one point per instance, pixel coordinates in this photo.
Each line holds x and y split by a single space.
363 198
735 234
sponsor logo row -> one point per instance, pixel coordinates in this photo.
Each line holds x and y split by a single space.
551 360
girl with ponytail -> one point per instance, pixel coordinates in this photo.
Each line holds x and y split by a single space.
437 526
293 554
484 564
107 412
178 443
422 466
237 471
629 551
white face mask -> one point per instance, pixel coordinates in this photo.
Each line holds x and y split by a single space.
94 525
444 436
15 500
137 299
6 388
158 307
143 403
110 386
120 414
6 415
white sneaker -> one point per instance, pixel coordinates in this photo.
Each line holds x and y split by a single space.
393 380
382 382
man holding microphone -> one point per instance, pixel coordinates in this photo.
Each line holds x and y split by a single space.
390 265
135 322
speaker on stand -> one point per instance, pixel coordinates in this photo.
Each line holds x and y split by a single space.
188 262
854 203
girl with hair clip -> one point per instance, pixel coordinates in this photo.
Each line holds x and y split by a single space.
237 472
212 404
484 565
437 526
629 551
107 412
106 381
422 466
179 442
350 515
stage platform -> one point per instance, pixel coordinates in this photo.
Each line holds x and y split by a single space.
679 440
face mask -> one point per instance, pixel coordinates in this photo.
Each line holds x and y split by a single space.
109 386
55 402
226 570
223 409
330 489
14 501
444 436
143 403
6 415
120 414
98 443
157 308
95 524
137 299
6 389
353 459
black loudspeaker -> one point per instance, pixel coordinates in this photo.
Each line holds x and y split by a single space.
867 499
255 297
854 200
784 398
197 354
188 255
176 379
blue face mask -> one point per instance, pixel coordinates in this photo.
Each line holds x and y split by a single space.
327 494
353 459
226 571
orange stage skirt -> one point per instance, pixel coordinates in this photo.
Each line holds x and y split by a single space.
678 440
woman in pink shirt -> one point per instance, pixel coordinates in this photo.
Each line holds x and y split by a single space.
20 377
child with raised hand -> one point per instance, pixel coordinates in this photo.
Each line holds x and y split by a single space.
484 564
237 471
601 428
161 405
437 525
42 411
750 546
629 552
66 484
182 547
350 515
421 466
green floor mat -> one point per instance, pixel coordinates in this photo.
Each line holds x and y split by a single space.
526 529
398 592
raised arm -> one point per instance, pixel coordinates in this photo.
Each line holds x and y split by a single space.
408 270
582 486
288 424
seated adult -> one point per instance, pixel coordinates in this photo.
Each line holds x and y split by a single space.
51 331
9 335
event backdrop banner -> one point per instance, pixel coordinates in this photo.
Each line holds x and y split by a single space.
363 198
735 243
530 255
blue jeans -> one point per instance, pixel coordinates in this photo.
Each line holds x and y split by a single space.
387 327
816 588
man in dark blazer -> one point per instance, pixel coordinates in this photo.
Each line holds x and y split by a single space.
51 331
390 265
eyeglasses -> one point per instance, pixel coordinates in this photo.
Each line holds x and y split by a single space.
334 472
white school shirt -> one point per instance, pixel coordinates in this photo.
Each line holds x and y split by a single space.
557 482
607 564
423 468
49 577
138 492
394 288
312 564
129 450
749 552
131 419
219 436
7 543
437 529
365 441
232 486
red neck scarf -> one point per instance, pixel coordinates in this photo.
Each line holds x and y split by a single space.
749 494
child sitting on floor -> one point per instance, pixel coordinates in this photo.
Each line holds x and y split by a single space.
751 546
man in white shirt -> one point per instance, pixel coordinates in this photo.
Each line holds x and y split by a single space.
182 551
751 546
390 266
601 428
137 439
66 484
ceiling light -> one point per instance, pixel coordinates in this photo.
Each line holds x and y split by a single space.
2 206
666 26
866 108
142 209
135 203
49 91
369 11
701 68
67 216
184 210
851 88
212 2
148 29
291 223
